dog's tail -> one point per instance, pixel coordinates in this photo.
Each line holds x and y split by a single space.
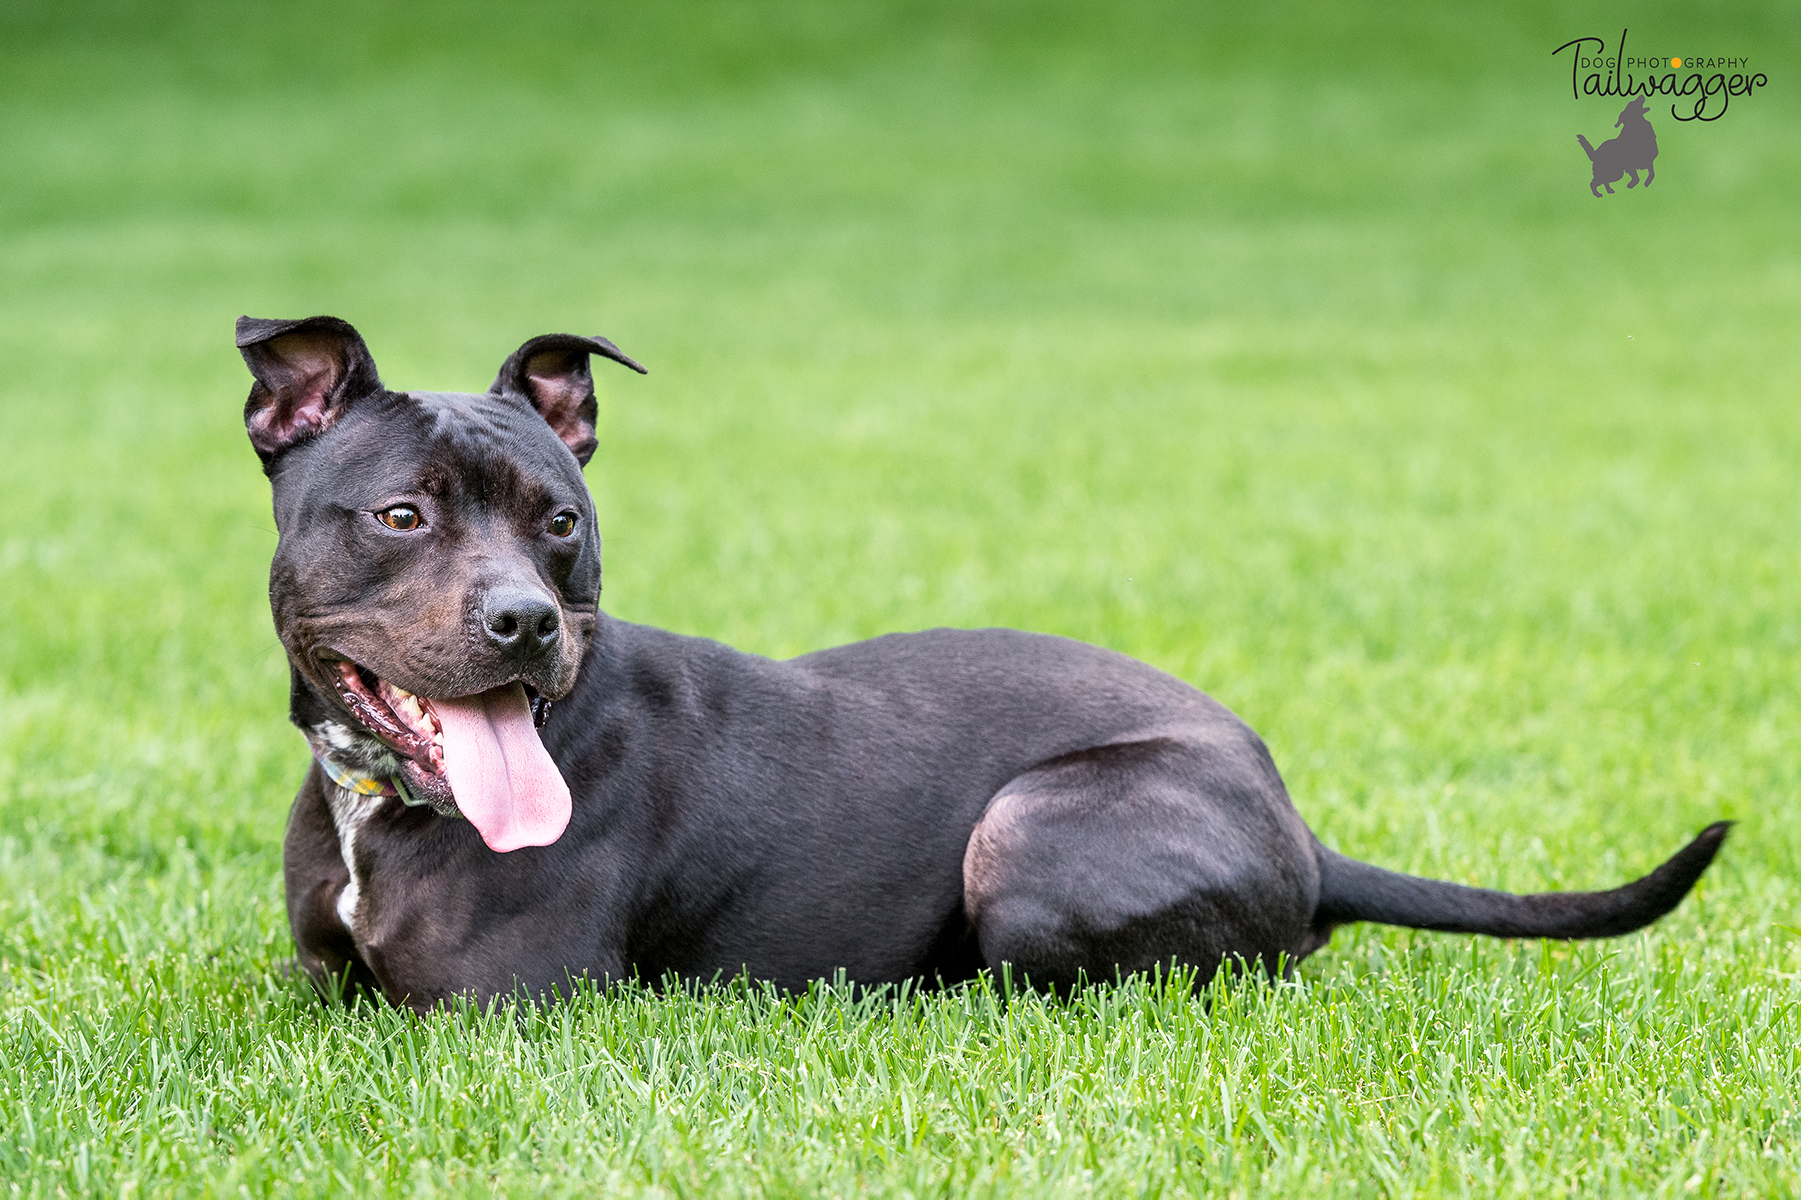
1355 891
1586 148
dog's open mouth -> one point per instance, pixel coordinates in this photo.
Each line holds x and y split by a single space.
481 752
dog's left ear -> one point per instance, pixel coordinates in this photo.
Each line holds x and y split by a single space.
552 372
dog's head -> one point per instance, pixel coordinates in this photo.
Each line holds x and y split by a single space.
1634 111
438 567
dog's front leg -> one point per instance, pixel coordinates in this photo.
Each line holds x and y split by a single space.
316 877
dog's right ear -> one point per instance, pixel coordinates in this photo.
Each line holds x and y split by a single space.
307 372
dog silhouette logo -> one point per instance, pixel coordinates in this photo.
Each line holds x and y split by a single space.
1633 151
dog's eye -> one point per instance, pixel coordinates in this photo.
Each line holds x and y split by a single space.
403 517
563 524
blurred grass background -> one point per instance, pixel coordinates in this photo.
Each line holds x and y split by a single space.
1283 347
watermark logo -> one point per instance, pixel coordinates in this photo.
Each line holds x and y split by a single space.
1700 88
1682 76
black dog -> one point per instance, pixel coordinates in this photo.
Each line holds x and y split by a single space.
918 806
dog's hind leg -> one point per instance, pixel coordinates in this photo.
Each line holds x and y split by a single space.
1650 173
1632 182
1124 857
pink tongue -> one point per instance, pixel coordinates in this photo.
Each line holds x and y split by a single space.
499 770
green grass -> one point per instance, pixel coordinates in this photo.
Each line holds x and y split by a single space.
1288 353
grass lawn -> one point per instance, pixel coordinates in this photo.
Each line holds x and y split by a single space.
1290 354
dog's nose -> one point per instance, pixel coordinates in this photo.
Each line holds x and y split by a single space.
519 621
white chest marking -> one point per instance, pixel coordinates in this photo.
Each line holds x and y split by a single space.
348 812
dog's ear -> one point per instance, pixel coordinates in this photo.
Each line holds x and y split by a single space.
552 372
307 372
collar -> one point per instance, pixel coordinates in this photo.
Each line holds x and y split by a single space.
363 784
